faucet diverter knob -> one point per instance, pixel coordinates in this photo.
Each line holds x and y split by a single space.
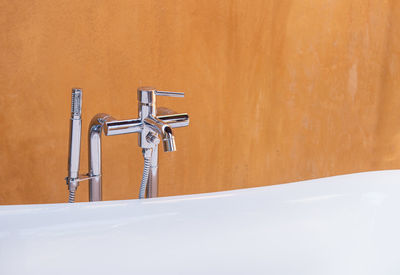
152 138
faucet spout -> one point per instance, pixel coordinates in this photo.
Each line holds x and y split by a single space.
169 141
165 130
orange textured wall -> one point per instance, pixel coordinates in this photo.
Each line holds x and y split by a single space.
277 91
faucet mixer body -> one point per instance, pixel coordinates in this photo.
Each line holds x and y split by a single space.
148 126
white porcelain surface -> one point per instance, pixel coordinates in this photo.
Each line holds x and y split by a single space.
339 225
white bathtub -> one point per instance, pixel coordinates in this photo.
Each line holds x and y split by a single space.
339 225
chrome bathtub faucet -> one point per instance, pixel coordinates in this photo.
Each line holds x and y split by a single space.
152 123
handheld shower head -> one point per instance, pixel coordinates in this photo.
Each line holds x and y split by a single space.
76 104
75 134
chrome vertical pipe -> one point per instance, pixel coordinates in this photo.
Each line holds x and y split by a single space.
94 143
152 185
95 163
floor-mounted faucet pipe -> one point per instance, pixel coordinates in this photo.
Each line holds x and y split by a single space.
95 130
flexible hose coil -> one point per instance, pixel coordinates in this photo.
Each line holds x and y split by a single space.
71 197
146 171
